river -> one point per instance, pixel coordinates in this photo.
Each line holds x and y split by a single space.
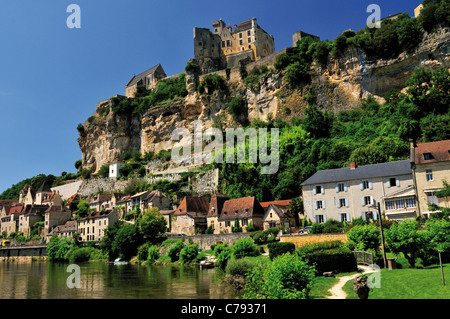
47 280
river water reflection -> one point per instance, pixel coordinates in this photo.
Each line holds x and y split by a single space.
47 280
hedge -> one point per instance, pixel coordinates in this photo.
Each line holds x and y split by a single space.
337 260
278 249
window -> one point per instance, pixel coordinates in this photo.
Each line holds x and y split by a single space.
249 40
249 46
223 44
244 222
367 200
365 184
432 198
240 42
428 156
393 181
410 203
341 187
342 202
240 35
400 204
344 217
320 219
228 43
248 32
318 189
390 205
429 173
319 204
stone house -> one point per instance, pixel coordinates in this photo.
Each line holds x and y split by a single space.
278 215
346 193
245 210
148 78
55 216
29 216
430 164
101 201
215 208
9 217
190 216
92 227
66 230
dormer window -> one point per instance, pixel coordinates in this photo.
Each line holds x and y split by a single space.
428 156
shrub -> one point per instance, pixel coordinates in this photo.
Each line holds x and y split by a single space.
174 251
339 259
288 277
278 249
153 253
236 228
219 248
104 171
143 252
223 257
191 67
239 267
189 253
236 106
212 83
244 247
59 248
80 254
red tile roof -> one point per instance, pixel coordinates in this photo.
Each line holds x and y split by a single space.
193 205
284 202
440 152
245 207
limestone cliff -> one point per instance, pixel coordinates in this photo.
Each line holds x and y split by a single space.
340 85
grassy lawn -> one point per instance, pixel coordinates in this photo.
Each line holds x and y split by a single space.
321 287
425 283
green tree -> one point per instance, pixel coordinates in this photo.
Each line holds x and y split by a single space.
365 236
405 238
151 225
83 209
108 240
126 241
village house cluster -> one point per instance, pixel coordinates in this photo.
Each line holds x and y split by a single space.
403 190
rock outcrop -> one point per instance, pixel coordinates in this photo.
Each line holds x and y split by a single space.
338 86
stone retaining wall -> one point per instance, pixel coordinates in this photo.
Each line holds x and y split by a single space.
205 241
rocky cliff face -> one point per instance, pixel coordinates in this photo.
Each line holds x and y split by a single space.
339 86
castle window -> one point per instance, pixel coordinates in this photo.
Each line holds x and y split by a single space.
249 40
223 44
240 42
228 43
248 32
240 35
249 46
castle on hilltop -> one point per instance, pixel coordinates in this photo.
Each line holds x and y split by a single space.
225 46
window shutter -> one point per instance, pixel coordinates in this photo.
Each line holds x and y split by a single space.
317 219
322 189
340 218
314 190
364 215
375 215
348 218
371 200
323 204
346 202
324 218
338 203
337 188
397 181
315 205
362 201
388 182
345 186
370 185
361 185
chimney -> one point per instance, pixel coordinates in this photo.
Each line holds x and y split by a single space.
412 153
352 165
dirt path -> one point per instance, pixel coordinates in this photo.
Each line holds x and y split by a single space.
337 292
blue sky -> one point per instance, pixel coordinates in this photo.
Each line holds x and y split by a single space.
51 77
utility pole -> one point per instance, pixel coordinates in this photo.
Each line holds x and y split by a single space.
382 236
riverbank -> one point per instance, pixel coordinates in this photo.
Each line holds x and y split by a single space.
23 259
